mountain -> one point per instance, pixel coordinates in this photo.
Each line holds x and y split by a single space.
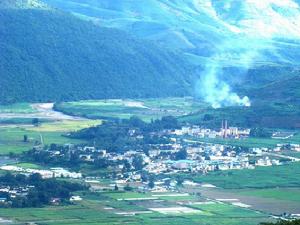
47 55
284 91
230 42
262 31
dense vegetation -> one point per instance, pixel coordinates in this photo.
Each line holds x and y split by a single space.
261 177
51 56
261 114
283 222
40 192
127 134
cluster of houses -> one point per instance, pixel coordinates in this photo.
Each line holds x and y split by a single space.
182 154
51 173
224 132
14 192
199 158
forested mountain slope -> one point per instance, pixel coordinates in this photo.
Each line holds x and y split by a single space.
47 55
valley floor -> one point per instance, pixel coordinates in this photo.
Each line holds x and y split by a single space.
241 197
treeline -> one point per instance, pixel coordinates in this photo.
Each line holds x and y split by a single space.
133 133
284 222
52 56
40 191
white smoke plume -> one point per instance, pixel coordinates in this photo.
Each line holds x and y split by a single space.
248 37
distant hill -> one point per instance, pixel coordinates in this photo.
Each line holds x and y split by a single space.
204 29
47 55
23 4
286 91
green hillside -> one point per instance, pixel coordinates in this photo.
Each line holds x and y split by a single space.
51 56
286 90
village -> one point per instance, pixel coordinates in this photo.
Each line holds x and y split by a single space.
185 153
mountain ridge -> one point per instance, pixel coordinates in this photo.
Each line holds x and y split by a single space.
48 55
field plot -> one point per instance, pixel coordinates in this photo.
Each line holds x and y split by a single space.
272 190
105 208
285 194
146 109
272 201
11 138
261 177
25 108
254 142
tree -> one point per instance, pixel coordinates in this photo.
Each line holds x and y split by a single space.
260 133
35 122
137 162
207 117
182 154
128 188
167 182
116 188
179 181
283 222
25 138
151 183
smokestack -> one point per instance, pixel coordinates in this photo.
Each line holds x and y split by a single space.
225 134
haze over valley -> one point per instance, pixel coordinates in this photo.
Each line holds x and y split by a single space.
150 111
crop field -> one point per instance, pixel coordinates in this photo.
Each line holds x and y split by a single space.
286 194
253 142
11 137
106 209
17 108
146 109
260 177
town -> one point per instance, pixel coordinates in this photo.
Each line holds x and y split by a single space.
182 151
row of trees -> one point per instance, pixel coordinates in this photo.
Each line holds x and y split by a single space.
41 191
115 135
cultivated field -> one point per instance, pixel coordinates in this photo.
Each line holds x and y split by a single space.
146 109
16 121
260 177
111 209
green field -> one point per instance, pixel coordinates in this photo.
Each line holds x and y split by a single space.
146 109
11 137
28 165
17 108
260 177
253 142
286 194
105 209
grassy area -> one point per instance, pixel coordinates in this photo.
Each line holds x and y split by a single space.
291 153
11 138
17 108
125 195
223 210
65 126
105 209
28 165
287 194
146 109
253 142
261 177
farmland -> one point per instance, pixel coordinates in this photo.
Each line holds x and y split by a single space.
106 209
286 194
17 122
252 142
261 177
146 109
11 138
